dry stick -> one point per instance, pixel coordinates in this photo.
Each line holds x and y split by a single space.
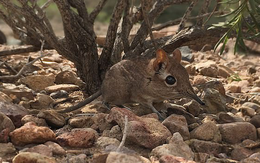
186 15
213 11
18 50
203 11
124 135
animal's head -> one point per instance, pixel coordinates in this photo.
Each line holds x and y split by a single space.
170 79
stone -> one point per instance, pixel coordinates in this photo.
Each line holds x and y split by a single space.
254 158
208 68
81 122
31 157
30 133
36 120
186 54
116 157
224 71
106 141
193 108
7 149
38 82
255 120
6 122
4 97
14 112
174 159
252 105
146 132
228 118
17 91
100 120
56 148
59 94
190 68
68 77
180 110
251 70
176 147
41 149
207 131
58 87
247 111
116 132
255 89
215 102
233 88
81 138
81 158
52 118
202 146
240 153
199 79
177 123
42 101
236 132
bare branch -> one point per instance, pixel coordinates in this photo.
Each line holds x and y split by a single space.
105 56
187 14
95 12
19 50
203 10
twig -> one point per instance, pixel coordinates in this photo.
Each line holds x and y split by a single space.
19 50
124 135
203 10
186 15
23 68
95 12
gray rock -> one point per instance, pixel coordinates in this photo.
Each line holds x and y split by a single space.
176 147
215 102
56 148
7 149
193 108
177 123
252 105
255 120
202 146
237 132
105 141
36 120
186 54
180 110
41 149
240 153
6 122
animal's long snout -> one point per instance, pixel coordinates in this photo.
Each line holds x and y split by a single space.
195 97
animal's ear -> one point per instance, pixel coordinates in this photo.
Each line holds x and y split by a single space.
161 61
176 54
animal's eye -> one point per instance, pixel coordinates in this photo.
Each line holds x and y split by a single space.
170 80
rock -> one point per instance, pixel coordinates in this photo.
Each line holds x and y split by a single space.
105 141
31 157
146 132
252 105
254 158
66 87
14 112
59 94
53 118
251 70
207 131
6 122
4 135
236 132
116 132
176 147
20 91
30 133
255 89
42 101
255 120
174 159
190 68
186 54
41 149
68 77
180 110
233 88
100 120
81 158
240 153
81 138
228 118
247 111
177 123
202 146
81 122
116 157
7 149
38 82
56 148
36 120
193 108
199 79
208 68
4 97
215 102
224 71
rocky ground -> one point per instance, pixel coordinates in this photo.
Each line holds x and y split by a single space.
225 130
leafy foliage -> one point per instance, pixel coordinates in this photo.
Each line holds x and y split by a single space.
243 17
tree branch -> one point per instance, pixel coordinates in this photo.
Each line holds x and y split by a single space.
96 11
